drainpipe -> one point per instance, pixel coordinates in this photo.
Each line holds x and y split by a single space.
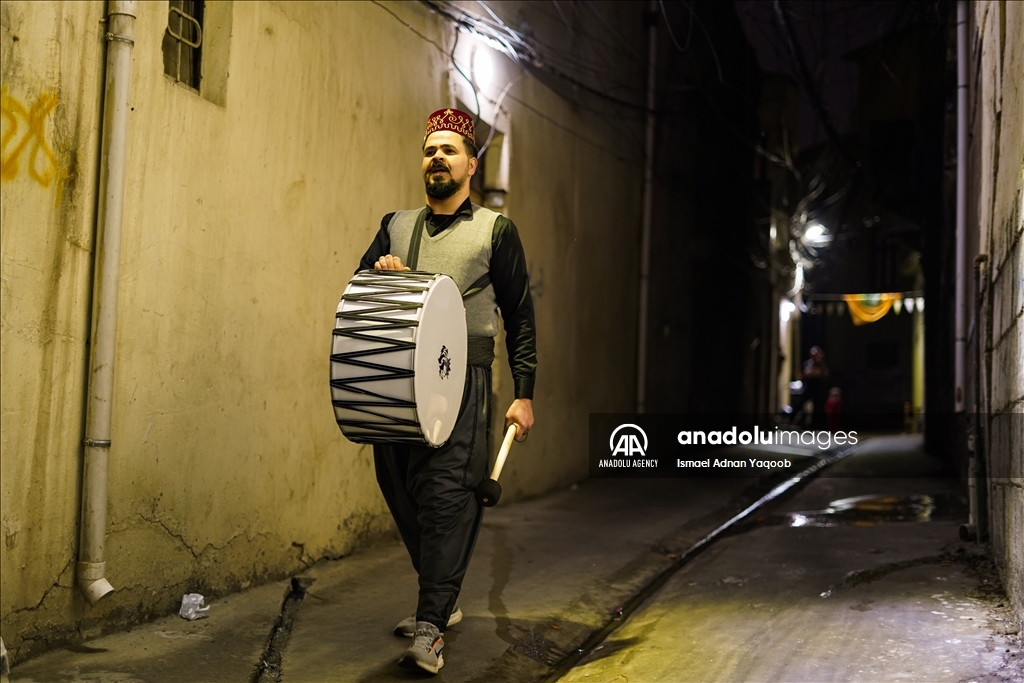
93 525
980 431
961 204
976 528
648 205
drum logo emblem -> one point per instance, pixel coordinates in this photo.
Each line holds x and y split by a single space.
444 363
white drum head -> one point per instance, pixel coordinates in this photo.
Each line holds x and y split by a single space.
440 360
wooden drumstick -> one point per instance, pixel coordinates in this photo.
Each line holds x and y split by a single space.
489 491
510 436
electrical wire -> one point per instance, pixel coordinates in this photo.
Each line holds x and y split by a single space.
668 26
568 26
615 123
507 45
497 108
626 47
507 40
569 130
707 36
812 91
472 86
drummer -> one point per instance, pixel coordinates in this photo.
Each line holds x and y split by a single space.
430 490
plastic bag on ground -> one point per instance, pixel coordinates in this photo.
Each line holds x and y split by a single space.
192 606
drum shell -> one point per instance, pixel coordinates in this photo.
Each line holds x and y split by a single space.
398 362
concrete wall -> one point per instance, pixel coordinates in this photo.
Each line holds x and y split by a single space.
996 223
244 220
51 55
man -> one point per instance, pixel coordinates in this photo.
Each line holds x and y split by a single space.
430 491
814 376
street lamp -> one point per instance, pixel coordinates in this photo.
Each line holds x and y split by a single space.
816 235
482 68
786 307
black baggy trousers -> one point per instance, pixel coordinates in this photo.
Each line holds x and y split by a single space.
430 492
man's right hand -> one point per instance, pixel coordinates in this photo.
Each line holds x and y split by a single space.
389 262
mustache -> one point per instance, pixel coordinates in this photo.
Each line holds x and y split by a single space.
438 166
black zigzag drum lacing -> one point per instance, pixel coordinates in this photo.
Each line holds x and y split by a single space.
398 361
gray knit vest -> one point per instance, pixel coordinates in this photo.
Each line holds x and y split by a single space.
463 253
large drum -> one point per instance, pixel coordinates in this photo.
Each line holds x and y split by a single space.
398 362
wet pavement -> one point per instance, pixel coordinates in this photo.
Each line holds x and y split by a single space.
858 575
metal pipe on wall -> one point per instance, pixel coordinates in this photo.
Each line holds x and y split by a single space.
975 528
960 336
91 568
980 467
648 208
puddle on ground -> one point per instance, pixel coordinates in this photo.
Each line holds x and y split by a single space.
538 648
871 510
867 511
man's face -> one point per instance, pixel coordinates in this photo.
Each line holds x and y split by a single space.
446 166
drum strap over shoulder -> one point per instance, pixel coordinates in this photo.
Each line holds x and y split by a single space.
413 257
479 285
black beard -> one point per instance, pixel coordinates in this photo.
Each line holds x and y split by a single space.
442 189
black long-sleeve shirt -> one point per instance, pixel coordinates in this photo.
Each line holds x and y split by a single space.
510 280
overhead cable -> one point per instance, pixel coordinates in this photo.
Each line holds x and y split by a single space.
517 47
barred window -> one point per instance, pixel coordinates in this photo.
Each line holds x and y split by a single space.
183 42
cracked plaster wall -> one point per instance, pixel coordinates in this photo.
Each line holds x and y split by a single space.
996 216
243 223
50 53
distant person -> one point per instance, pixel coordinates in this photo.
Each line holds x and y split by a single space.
909 423
833 408
806 417
814 376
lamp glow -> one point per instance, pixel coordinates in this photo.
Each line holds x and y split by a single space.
483 69
817 235
798 278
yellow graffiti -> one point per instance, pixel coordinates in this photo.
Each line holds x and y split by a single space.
16 141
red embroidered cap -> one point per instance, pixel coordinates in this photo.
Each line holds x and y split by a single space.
451 119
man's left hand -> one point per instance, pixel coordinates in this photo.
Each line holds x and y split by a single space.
520 413
389 262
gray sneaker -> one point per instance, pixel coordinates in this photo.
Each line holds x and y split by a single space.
406 628
425 652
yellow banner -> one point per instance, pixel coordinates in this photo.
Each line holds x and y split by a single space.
866 309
